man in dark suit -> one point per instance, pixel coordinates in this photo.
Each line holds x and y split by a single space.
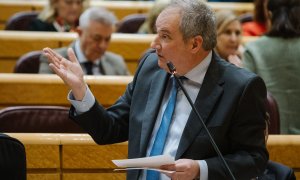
229 99
96 26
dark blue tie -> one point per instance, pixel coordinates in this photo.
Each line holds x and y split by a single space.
161 136
88 67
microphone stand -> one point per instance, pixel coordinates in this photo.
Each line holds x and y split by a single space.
173 72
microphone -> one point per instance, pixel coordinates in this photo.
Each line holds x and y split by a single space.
172 69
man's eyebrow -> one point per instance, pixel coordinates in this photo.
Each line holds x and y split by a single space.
101 36
164 31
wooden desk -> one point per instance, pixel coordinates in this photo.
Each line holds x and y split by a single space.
285 149
76 156
70 157
38 89
120 8
15 44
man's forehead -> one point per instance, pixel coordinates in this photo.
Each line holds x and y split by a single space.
169 11
167 17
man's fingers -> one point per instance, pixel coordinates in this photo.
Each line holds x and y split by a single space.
170 167
57 70
72 56
52 61
55 55
57 60
52 55
48 55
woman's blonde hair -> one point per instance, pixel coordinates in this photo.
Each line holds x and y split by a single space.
223 19
148 27
48 14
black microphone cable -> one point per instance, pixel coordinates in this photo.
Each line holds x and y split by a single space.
172 69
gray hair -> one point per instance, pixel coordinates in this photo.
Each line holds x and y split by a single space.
197 19
98 14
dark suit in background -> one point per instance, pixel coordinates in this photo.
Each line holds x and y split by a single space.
39 25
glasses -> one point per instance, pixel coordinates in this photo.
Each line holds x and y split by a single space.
70 2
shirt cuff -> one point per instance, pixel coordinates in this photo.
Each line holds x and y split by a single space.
85 104
203 170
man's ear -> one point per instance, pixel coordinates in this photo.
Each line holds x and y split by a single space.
196 43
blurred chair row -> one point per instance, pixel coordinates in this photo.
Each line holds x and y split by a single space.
21 20
129 24
37 119
28 63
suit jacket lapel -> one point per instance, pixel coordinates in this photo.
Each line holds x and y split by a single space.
209 94
103 67
157 88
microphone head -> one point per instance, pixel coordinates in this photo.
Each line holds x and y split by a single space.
171 67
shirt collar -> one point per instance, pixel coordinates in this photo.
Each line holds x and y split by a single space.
197 73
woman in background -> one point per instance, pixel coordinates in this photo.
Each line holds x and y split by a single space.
229 31
148 27
275 57
59 15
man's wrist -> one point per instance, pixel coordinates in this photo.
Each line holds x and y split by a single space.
196 164
79 92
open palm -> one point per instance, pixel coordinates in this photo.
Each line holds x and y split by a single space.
69 71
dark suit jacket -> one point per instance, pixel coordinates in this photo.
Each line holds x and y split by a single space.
39 25
230 101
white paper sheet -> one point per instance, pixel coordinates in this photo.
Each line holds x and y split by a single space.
153 169
147 162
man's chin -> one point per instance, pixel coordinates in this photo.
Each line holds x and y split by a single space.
98 56
163 65
160 63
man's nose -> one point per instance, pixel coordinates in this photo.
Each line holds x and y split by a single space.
102 44
155 43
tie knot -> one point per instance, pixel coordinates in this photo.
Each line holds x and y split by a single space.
175 83
89 67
